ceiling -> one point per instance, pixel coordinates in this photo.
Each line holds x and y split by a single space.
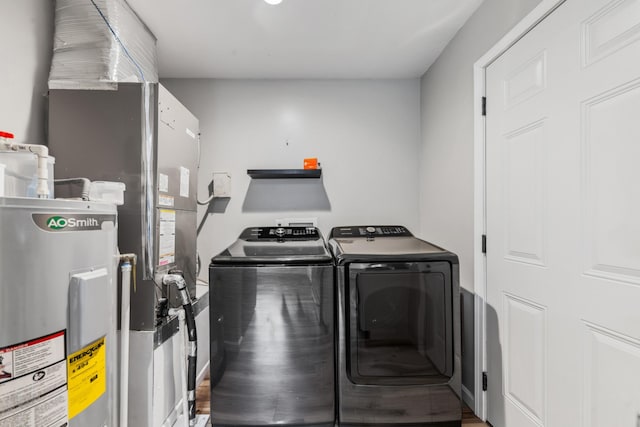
301 38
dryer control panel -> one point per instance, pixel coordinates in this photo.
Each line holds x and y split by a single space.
371 231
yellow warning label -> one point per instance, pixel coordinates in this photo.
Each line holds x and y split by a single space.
87 376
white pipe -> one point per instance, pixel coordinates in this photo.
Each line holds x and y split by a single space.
43 169
43 173
125 317
2 167
124 344
183 363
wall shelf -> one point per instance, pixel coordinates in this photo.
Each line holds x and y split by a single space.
284 173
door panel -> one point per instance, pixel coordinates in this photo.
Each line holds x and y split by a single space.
610 29
525 351
525 198
526 81
612 367
563 221
610 143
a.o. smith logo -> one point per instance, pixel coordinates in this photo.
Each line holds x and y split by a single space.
76 222
58 222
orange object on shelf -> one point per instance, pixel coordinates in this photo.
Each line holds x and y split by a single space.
311 163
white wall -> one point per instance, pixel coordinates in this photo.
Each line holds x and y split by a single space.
365 133
446 157
26 46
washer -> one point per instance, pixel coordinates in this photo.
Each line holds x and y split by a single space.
398 317
272 342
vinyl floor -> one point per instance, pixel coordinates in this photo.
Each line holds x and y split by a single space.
203 406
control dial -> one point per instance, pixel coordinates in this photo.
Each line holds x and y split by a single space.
280 232
371 229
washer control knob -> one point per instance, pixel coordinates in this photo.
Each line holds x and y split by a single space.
371 229
280 232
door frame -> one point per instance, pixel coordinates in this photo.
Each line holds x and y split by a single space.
539 13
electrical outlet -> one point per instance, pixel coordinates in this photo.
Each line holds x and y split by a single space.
221 184
297 222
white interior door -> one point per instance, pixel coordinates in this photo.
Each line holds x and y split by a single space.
563 221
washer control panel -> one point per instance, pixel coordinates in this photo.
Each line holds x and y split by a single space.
281 233
371 231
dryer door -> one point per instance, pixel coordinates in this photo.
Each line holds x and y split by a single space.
400 328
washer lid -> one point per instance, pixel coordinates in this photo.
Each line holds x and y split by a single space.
276 245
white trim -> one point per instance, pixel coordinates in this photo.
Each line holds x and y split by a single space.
467 397
479 267
202 374
480 404
479 223
520 29
173 416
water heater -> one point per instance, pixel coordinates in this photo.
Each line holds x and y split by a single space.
58 345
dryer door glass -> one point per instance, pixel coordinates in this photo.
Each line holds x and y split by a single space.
400 317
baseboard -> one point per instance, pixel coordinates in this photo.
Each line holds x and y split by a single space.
468 398
174 415
202 374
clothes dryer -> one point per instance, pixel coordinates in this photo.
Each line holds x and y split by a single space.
398 346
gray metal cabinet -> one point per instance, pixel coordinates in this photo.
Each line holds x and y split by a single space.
141 136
